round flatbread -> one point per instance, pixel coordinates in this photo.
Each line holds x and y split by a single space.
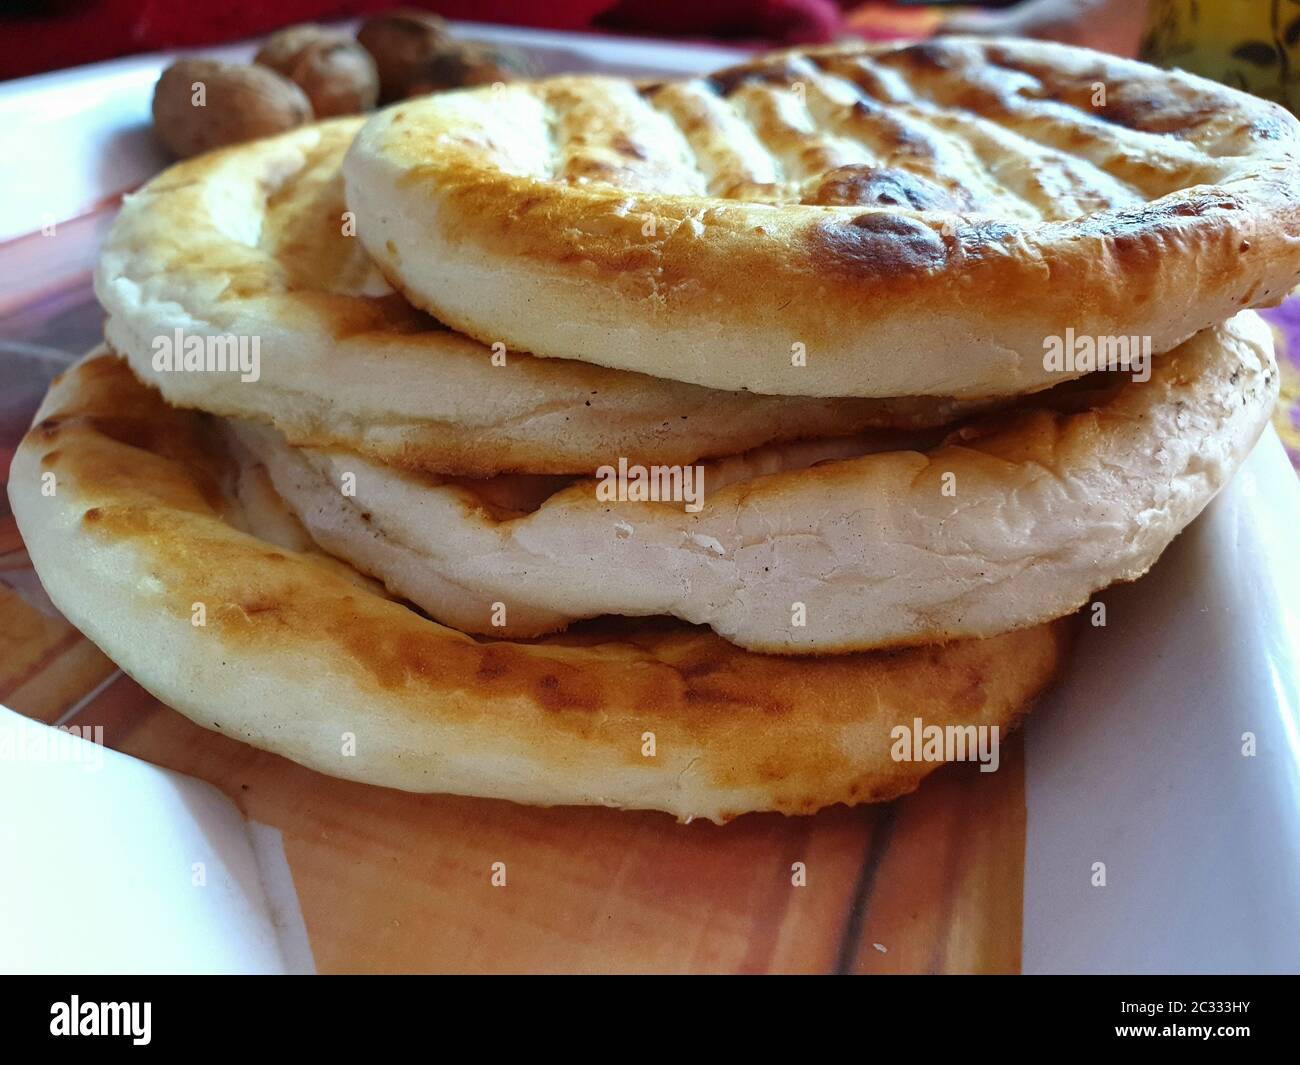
857 220
254 245
121 503
826 546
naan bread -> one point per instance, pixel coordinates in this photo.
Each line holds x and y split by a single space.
851 221
297 658
253 242
1005 523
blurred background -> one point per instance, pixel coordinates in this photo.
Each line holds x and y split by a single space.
1252 44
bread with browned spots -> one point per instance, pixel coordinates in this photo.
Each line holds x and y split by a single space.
255 241
852 221
295 657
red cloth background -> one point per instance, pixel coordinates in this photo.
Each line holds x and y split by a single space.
36 36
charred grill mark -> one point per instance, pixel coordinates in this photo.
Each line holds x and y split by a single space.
873 186
725 82
1062 150
1138 235
878 246
964 154
866 77
927 56
1149 113
625 145
945 125
1153 216
900 140
1141 108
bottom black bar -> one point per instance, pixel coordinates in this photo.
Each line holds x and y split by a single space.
216 1014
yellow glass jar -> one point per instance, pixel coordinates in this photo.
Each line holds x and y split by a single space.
1248 44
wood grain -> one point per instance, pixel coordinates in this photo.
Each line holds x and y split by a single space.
46 666
394 882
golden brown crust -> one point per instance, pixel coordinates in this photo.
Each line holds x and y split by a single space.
294 657
255 241
886 207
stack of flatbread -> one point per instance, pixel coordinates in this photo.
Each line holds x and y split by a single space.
665 445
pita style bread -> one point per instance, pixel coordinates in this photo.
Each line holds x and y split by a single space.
292 655
904 219
254 242
869 543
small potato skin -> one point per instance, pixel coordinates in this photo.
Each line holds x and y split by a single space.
335 71
240 103
401 43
